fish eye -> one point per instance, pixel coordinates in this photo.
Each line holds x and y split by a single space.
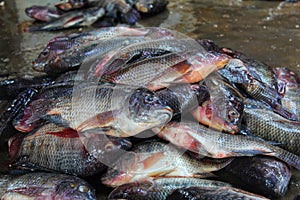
83 188
45 53
149 99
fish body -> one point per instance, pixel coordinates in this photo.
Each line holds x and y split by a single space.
59 149
159 189
289 88
72 19
154 159
72 4
211 143
224 109
42 13
261 121
259 174
236 72
45 186
207 193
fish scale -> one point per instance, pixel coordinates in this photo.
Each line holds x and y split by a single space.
272 127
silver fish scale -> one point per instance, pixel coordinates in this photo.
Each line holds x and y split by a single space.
51 152
272 127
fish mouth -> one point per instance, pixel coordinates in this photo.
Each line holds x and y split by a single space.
38 66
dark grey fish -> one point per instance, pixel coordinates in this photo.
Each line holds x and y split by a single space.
259 174
45 186
159 189
207 193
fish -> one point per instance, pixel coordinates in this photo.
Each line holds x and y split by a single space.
154 159
289 87
71 19
207 142
58 57
12 110
160 188
45 186
43 13
120 10
236 72
150 7
57 149
224 109
207 193
120 110
259 174
261 121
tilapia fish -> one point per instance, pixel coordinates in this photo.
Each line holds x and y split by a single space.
58 149
207 193
159 189
120 110
72 19
153 159
289 88
236 72
224 108
259 174
43 13
45 186
259 120
58 56
207 142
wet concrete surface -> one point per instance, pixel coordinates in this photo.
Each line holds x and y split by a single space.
268 31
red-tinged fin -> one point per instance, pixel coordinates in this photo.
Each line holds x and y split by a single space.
66 133
149 162
14 145
101 120
73 21
28 191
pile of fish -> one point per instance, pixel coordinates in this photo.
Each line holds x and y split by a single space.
101 13
152 114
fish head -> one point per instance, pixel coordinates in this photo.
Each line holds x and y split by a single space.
46 57
147 109
113 177
74 189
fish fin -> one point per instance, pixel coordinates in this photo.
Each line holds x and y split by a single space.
296 123
279 109
56 119
102 120
74 21
148 162
22 166
252 152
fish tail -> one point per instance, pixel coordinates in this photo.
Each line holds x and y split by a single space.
288 157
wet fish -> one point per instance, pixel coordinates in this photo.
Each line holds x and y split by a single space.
259 120
12 110
120 110
207 193
236 72
159 189
45 186
207 142
57 149
72 19
12 87
289 88
154 159
259 174
42 13
224 109
58 55
121 8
